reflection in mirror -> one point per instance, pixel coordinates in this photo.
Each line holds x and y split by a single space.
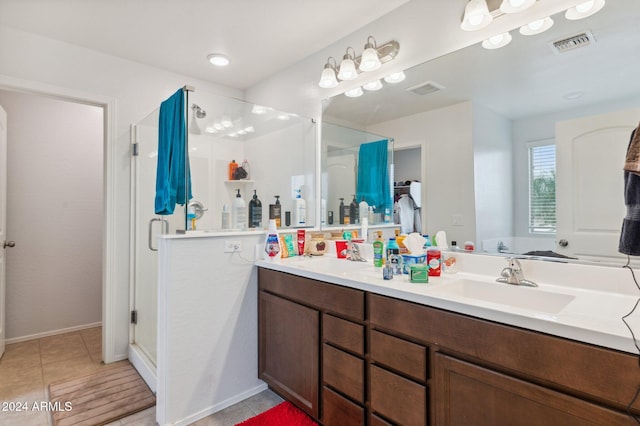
478 114
356 166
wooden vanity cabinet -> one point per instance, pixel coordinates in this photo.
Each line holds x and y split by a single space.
311 345
349 357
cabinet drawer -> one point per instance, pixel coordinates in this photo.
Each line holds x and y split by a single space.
343 372
339 411
405 357
325 297
377 421
343 333
398 399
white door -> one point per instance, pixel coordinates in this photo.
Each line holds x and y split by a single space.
590 154
3 221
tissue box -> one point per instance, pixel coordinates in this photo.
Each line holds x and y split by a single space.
419 273
412 259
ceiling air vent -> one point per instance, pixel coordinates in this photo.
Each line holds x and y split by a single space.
425 88
579 40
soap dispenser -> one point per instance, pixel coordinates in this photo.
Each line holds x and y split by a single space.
275 212
353 211
238 212
255 211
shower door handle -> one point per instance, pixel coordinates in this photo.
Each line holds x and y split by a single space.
8 244
165 230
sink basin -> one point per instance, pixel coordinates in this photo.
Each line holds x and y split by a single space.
532 299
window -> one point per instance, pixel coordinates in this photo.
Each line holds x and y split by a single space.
542 188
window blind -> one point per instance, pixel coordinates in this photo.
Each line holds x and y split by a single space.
542 189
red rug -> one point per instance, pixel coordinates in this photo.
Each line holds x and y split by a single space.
283 414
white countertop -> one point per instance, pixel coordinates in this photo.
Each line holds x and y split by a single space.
581 314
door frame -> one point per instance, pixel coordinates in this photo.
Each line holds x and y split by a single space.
109 265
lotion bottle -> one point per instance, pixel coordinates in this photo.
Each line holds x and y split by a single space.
275 212
226 224
300 211
238 212
353 211
363 210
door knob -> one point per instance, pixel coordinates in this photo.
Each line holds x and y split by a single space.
563 243
8 244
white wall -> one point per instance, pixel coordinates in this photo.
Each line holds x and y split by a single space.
54 213
407 164
446 138
40 63
493 147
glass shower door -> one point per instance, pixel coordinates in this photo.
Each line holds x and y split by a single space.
147 226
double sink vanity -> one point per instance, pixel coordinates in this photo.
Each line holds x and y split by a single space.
350 348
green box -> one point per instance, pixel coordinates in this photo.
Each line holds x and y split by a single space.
419 274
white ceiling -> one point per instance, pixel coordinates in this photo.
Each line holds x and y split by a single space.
261 37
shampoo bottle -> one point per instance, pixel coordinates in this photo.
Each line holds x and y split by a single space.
226 224
232 169
341 208
275 212
378 251
300 211
238 212
353 211
255 211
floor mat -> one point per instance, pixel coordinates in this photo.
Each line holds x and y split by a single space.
99 398
283 414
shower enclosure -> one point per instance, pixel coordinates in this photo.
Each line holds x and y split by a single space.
280 153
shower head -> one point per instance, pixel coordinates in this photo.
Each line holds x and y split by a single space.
198 112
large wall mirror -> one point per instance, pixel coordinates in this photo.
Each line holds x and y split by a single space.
484 119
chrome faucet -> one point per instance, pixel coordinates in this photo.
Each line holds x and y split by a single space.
512 274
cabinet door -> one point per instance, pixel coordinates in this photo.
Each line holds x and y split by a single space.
466 394
289 343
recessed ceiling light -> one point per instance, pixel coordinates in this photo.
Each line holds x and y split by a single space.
218 59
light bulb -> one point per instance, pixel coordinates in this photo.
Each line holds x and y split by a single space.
328 78
347 70
497 41
516 3
354 93
536 25
373 85
584 9
370 60
476 15
475 20
395 77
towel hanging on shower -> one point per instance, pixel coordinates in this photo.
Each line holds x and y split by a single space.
172 174
373 175
630 235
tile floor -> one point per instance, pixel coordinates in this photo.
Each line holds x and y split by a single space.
27 368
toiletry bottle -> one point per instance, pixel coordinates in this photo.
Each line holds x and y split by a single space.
238 212
191 219
371 216
232 169
226 224
272 241
345 212
341 207
363 210
378 251
255 211
275 211
353 211
300 211
393 256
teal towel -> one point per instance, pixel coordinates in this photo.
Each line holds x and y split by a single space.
373 175
172 173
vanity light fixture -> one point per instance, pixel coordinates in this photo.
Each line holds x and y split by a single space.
584 10
354 93
347 66
373 85
370 60
395 77
537 27
259 109
476 15
328 78
497 41
218 59
515 6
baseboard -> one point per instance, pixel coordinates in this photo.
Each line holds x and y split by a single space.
221 405
52 333
144 366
